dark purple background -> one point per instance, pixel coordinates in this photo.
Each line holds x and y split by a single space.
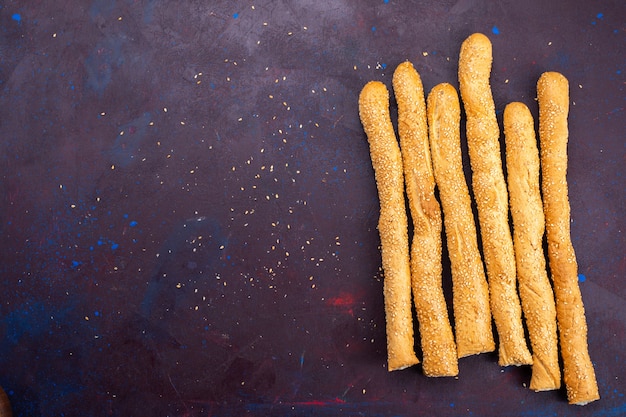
188 209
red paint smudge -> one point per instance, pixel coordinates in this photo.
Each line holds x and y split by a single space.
344 300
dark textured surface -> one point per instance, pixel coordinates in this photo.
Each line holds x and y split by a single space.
188 209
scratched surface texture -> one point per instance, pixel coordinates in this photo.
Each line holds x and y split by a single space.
188 209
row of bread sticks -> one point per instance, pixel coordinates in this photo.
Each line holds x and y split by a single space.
429 156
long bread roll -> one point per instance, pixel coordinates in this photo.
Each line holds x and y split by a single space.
392 224
491 198
470 293
522 163
578 372
436 338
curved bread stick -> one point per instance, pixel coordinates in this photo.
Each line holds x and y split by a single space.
522 162
578 373
472 316
437 340
491 198
392 224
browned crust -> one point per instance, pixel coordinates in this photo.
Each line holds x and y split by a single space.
392 225
522 162
578 372
472 316
491 198
437 341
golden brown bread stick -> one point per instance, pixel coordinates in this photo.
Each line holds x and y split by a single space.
578 372
491 198
470 293
392 224
522 162
437 341
5 404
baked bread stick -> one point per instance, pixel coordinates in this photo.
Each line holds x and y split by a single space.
436 338
491 198
470 292
392 224
578 372
522 163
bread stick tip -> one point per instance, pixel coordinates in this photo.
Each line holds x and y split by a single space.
552 76
555 85
373 90
477 40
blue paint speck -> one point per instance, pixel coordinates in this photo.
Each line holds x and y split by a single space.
75 264
582 278
600 15
495 30
114 246
373 28
17 17
235 15
386 1
96 313
133 223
